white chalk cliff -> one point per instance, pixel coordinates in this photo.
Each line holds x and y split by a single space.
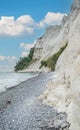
64 91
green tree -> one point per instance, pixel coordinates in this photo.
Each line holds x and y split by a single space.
24 62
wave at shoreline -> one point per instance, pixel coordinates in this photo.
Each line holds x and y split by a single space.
10 80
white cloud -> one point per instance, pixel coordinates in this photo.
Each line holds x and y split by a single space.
13 58
26 24
2 58
26 19
51 18
8 58
7 63
24 54
11 27
26 46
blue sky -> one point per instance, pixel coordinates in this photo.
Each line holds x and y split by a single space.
22 21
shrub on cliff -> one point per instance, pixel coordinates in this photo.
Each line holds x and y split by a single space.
25 61
51 61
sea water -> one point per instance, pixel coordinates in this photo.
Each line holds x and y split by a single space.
10 79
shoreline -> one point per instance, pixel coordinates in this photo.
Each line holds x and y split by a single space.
13 86
22 82
20 85
20 108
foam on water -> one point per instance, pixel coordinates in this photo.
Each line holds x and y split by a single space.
8 80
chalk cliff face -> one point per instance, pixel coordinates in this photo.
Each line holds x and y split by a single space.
75 5
54 38
64 91
69 66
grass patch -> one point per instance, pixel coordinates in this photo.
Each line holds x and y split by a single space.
51 61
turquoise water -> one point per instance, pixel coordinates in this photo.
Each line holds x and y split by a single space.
9 79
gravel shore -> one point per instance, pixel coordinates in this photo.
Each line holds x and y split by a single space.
20 108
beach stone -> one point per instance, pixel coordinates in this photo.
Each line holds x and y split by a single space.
8 102
26 111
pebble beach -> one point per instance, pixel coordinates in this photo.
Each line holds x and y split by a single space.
21 109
